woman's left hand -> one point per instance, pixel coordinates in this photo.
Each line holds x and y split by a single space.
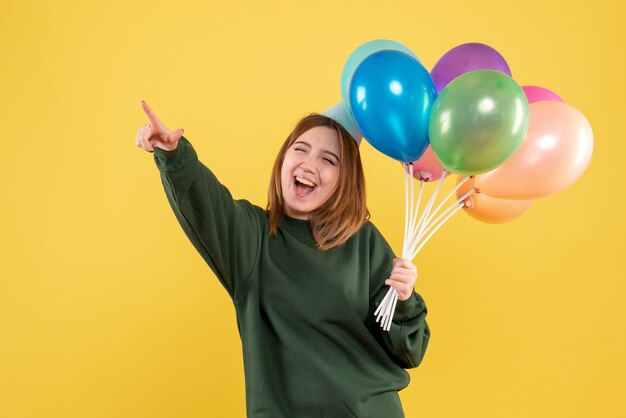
403 277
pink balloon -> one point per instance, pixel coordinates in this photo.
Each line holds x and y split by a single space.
427 168
554 154
540 94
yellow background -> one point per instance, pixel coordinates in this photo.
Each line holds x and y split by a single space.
106 310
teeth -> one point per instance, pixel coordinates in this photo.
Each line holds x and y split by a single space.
305 181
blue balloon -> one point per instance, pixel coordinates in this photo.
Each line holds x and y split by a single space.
391 96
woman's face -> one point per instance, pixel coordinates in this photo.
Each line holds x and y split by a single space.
310 171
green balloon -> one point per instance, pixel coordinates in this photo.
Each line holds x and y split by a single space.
478 122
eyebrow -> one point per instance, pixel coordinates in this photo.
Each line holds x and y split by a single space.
324 150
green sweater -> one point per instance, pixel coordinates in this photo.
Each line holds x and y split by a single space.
311 345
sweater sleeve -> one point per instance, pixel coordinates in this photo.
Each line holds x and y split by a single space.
226 232
407 339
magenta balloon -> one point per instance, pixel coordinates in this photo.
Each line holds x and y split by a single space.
540 94
465 58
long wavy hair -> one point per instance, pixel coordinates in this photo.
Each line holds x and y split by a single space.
345 211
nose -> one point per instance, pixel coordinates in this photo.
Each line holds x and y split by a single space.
309 165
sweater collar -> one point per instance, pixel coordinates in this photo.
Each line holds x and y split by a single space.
299 228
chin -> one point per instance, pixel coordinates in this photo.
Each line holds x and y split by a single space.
298 212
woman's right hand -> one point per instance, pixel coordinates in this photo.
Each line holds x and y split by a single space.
155 134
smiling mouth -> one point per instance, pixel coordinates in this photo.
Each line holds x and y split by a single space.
302 186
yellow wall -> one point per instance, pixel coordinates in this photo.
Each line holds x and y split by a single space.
106 310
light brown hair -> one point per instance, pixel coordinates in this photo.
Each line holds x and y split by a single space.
345 211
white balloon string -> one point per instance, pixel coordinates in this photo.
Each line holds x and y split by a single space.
422 221
383 321
411 205
445 199
382 304
411 210
388 312
419 223
444 174
414 230
435 230
384 314
459 205
435 222
383 310
444 213
393 309
406 209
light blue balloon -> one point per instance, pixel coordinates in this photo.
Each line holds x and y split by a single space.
362 52
391 96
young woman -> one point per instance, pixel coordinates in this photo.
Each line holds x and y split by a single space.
305 274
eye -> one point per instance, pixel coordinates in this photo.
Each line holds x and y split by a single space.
331 162
299 149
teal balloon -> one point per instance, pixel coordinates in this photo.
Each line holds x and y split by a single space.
362 52
478 121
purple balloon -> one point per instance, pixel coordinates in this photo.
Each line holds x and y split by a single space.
465 58
540 94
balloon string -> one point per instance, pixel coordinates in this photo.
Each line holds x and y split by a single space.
456 206
413 212
444 174
430 225
411 206
445 199
383 304
385 309
388 312
384 312
414 232
412 235
391 311
427 222
422 221
406 208
409 200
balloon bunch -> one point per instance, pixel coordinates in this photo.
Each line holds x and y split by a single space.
508 144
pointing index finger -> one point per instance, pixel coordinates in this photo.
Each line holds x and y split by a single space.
152 117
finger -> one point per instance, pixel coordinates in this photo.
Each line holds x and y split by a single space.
398 285
403 262
152 117
403 290
176 135
402 278
404 275
145 144
404 268
147 131
404 272
143 134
